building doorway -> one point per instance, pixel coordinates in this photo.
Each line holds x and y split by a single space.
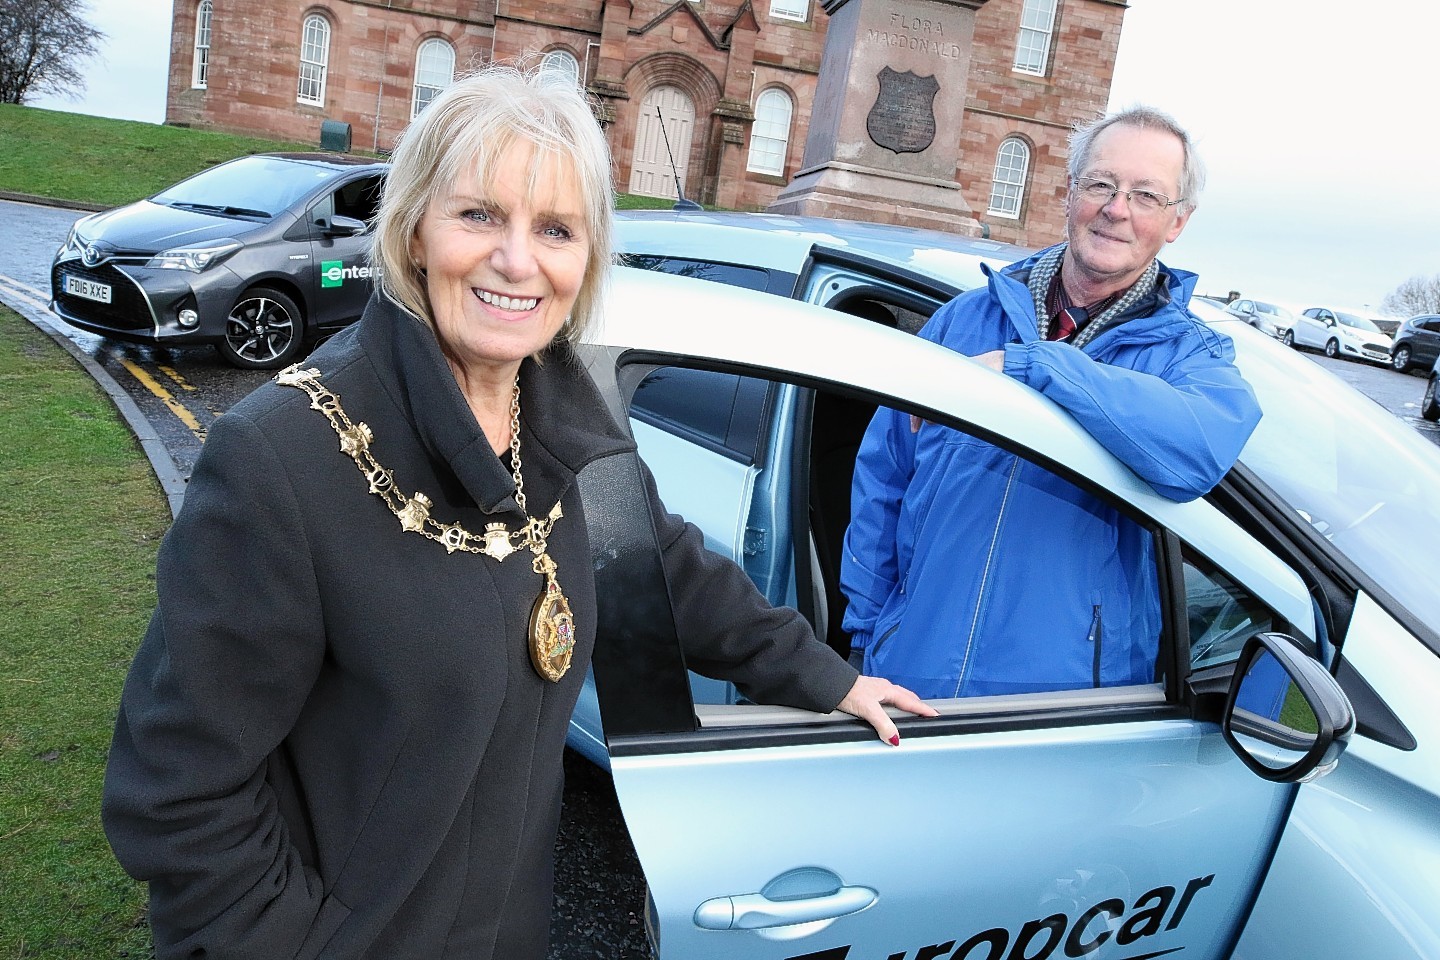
651 174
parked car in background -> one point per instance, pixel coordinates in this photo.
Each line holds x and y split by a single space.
259 256
1430 402
1417 343
1339 333
1268 318
1013 825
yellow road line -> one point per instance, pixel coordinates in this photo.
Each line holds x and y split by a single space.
173 374
150 383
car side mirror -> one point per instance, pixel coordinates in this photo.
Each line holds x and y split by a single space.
1285 716
341 226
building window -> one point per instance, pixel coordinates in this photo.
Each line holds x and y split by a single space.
790 9
770 135
200 76
314 59
434 70
1007 190
1032 47
562 62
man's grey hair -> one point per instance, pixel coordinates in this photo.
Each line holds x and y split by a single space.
1192 174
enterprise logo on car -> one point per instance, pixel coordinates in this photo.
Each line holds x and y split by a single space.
334 273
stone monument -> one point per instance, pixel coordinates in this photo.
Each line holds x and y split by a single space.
885 125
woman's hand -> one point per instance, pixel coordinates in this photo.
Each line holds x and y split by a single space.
866 700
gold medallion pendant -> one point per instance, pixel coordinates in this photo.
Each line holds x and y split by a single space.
552 628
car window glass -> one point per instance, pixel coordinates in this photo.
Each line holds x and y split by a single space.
322 209
258 183
751 278
359 198
1108 603
1221 615
1360 477
719 411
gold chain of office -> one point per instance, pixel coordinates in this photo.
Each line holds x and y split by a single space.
552 626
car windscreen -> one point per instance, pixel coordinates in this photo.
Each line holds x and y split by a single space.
1273 309
1358 322
255 187
1362 477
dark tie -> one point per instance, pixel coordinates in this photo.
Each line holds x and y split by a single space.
1066 323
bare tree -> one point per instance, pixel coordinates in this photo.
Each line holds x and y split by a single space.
43 46
1414 296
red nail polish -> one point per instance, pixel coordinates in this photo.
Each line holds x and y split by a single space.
895 740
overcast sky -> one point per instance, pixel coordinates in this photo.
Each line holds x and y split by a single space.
1316 121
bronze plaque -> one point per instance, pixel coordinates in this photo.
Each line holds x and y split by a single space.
903 117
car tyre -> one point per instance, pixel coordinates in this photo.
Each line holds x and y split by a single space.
1400 360
263 331
1430 403
1332 348
1289 338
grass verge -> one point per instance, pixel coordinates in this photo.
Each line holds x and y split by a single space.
71 156
81 517
84 159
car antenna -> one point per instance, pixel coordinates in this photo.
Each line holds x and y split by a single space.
681 203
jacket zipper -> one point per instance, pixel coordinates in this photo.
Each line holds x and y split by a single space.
985 576
1095 638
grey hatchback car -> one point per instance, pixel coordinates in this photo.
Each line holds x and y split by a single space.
258 256
1417 343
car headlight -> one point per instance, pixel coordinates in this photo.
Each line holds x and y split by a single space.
194 258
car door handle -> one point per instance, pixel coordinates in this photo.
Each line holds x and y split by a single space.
755 911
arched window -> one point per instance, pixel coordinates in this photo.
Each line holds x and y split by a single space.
1032 46
200 77
1007 190
314 59
770 134
562 62
434 70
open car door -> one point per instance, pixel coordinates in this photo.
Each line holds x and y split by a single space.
1112 821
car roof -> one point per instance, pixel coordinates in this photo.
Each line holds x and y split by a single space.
336 161
779 241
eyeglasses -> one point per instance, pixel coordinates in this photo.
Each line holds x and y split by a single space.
1100 192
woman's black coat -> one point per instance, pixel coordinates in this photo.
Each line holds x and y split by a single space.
332 742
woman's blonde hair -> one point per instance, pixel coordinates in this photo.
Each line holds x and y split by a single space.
467 129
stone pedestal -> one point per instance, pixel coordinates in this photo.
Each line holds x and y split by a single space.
884 132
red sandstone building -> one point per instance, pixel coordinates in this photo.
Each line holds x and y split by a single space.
732 80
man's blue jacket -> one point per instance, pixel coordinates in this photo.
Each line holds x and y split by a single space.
971 572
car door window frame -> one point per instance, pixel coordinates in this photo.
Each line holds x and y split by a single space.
1174 697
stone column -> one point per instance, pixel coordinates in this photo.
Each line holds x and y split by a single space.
884 135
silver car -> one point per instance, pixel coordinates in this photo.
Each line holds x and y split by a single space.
1269 318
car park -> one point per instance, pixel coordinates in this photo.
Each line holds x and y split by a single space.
259 256
1339 333
1040 824
1417 343
1269 318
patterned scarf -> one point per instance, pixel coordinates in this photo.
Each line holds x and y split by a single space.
1044 272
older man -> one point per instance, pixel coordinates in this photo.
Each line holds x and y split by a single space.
972 572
